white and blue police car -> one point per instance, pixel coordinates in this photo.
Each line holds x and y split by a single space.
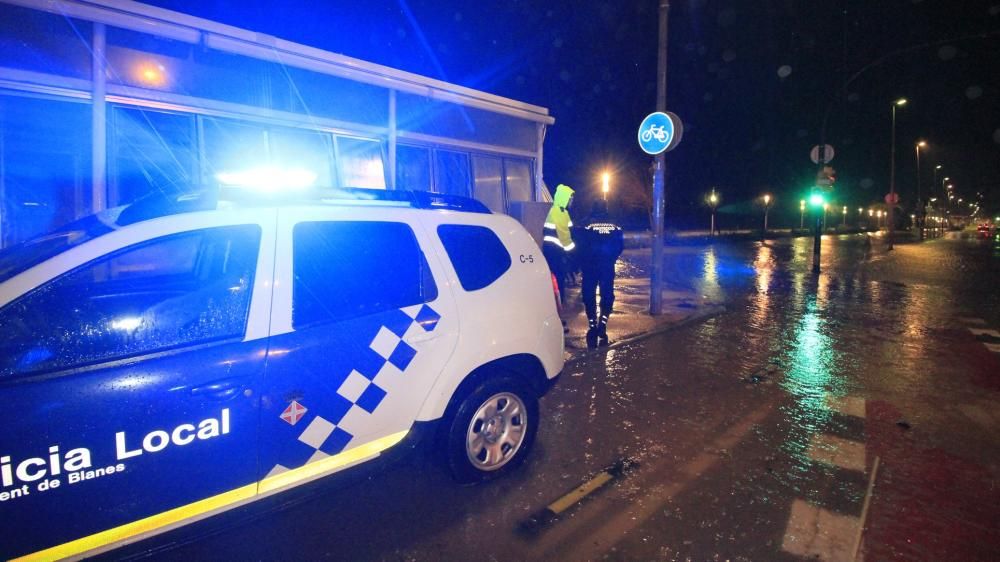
172 359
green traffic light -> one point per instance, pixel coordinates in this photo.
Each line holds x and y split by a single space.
816 200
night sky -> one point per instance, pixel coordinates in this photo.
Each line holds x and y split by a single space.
752 82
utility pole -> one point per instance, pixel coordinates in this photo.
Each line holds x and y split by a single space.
659 191
892 174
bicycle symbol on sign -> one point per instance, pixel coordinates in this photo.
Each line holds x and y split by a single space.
659 133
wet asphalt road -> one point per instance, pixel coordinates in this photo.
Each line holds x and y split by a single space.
755 432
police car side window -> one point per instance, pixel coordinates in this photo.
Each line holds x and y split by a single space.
347 269
479 257
182 289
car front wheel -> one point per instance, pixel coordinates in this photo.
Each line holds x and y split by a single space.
492 430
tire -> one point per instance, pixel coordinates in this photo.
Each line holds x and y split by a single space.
491 431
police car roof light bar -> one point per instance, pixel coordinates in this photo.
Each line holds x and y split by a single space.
160 204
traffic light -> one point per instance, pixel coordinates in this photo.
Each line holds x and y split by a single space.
817 200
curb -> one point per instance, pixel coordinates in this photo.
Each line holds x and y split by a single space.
698 316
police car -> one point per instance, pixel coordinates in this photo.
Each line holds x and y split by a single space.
169 360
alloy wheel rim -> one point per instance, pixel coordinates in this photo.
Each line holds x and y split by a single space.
496 431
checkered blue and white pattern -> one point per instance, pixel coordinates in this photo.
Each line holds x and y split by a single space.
365 388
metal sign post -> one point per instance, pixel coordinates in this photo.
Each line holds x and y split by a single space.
659 132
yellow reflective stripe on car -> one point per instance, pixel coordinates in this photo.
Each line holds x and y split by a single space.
152 523
316 469
226 500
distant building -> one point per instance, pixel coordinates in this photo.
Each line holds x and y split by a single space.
182 102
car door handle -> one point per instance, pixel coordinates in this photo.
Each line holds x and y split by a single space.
422 338
218 390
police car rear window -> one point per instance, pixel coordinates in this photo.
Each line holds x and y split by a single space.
346 269
478 255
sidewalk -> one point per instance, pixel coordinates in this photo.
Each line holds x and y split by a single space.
631 319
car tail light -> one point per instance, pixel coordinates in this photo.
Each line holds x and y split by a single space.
555 291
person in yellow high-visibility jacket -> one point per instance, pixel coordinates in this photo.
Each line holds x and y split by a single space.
557 241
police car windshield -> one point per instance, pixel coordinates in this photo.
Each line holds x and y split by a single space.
22 256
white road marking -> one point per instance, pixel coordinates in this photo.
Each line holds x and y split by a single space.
847 405
836 451
982 331
969 320
819 534
994 347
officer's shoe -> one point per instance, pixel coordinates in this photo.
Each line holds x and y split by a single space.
592 335
602 332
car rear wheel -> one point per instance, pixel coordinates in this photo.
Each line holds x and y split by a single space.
492 430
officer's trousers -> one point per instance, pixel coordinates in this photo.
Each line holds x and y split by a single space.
603 276
556 258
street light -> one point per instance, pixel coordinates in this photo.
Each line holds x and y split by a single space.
892 169
826 207
713 201
920 202
802 213
844 222
605 184
767 207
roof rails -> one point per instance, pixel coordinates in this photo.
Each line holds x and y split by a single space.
160 204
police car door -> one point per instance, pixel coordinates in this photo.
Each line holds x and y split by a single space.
129 382
360 331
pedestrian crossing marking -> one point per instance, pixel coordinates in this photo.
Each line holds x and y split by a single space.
817 533
984 332
836 451
847 405
969 320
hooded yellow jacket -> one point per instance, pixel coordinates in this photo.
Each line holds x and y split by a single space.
557 224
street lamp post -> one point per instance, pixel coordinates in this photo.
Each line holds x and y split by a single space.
892 169
826 207
713 200
767 207
920 202
844 222
802 213
605 184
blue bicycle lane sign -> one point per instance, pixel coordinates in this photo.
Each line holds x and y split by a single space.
659 132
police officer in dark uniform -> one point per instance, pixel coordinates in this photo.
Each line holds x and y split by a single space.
600 242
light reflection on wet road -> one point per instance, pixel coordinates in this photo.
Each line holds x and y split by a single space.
755 431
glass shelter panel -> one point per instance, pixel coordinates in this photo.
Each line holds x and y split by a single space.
518 178
432 117
151 151
488 187
42 42
45 179
452 174
360 163
297 150
232 148
413 168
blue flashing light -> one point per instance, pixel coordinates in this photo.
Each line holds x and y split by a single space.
268 179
